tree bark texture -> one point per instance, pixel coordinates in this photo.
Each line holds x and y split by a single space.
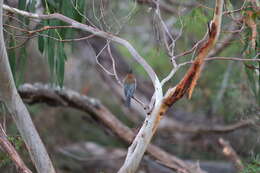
20 114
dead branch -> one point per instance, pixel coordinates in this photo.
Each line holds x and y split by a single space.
95 155
37 93
203 128
231 154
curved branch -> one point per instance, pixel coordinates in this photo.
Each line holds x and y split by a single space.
97 32
186 85
37 93
207 128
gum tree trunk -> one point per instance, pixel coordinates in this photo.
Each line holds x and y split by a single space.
20 114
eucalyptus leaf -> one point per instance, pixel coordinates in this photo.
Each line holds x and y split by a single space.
41 43
12 57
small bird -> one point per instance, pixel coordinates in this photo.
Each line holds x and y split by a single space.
129 87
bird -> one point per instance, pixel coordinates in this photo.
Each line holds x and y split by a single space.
129 84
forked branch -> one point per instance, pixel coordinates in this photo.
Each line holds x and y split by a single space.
186 85
100 33
38 93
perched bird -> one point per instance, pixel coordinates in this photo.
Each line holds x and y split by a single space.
129 87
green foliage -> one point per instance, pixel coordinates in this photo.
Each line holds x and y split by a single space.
17 142
22 61
55 50
49 41
253 68
17 63
12 57
156 57
4 159
22 4
196 21
253 166
55 53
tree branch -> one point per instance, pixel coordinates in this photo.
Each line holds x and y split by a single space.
97 32
10 150
37 93
175 125
231 154
234 58
187 84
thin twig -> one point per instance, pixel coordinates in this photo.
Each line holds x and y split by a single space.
118 80
234 58
253 59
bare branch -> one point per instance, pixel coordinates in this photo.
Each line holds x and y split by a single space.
192 49
234 58
171 74
10 150
35 33
174 70
253 59
231 154
222 44
176 125
97 32
237 10
38 93
188 83
114 65
118 80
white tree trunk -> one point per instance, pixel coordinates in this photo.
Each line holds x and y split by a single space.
20 114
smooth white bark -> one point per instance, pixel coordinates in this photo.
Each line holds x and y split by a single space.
20 114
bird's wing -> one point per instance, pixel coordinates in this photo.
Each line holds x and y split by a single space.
125 89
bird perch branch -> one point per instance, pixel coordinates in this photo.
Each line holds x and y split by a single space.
186 85
38 93
100 33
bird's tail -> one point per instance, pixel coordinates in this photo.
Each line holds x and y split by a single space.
128 101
